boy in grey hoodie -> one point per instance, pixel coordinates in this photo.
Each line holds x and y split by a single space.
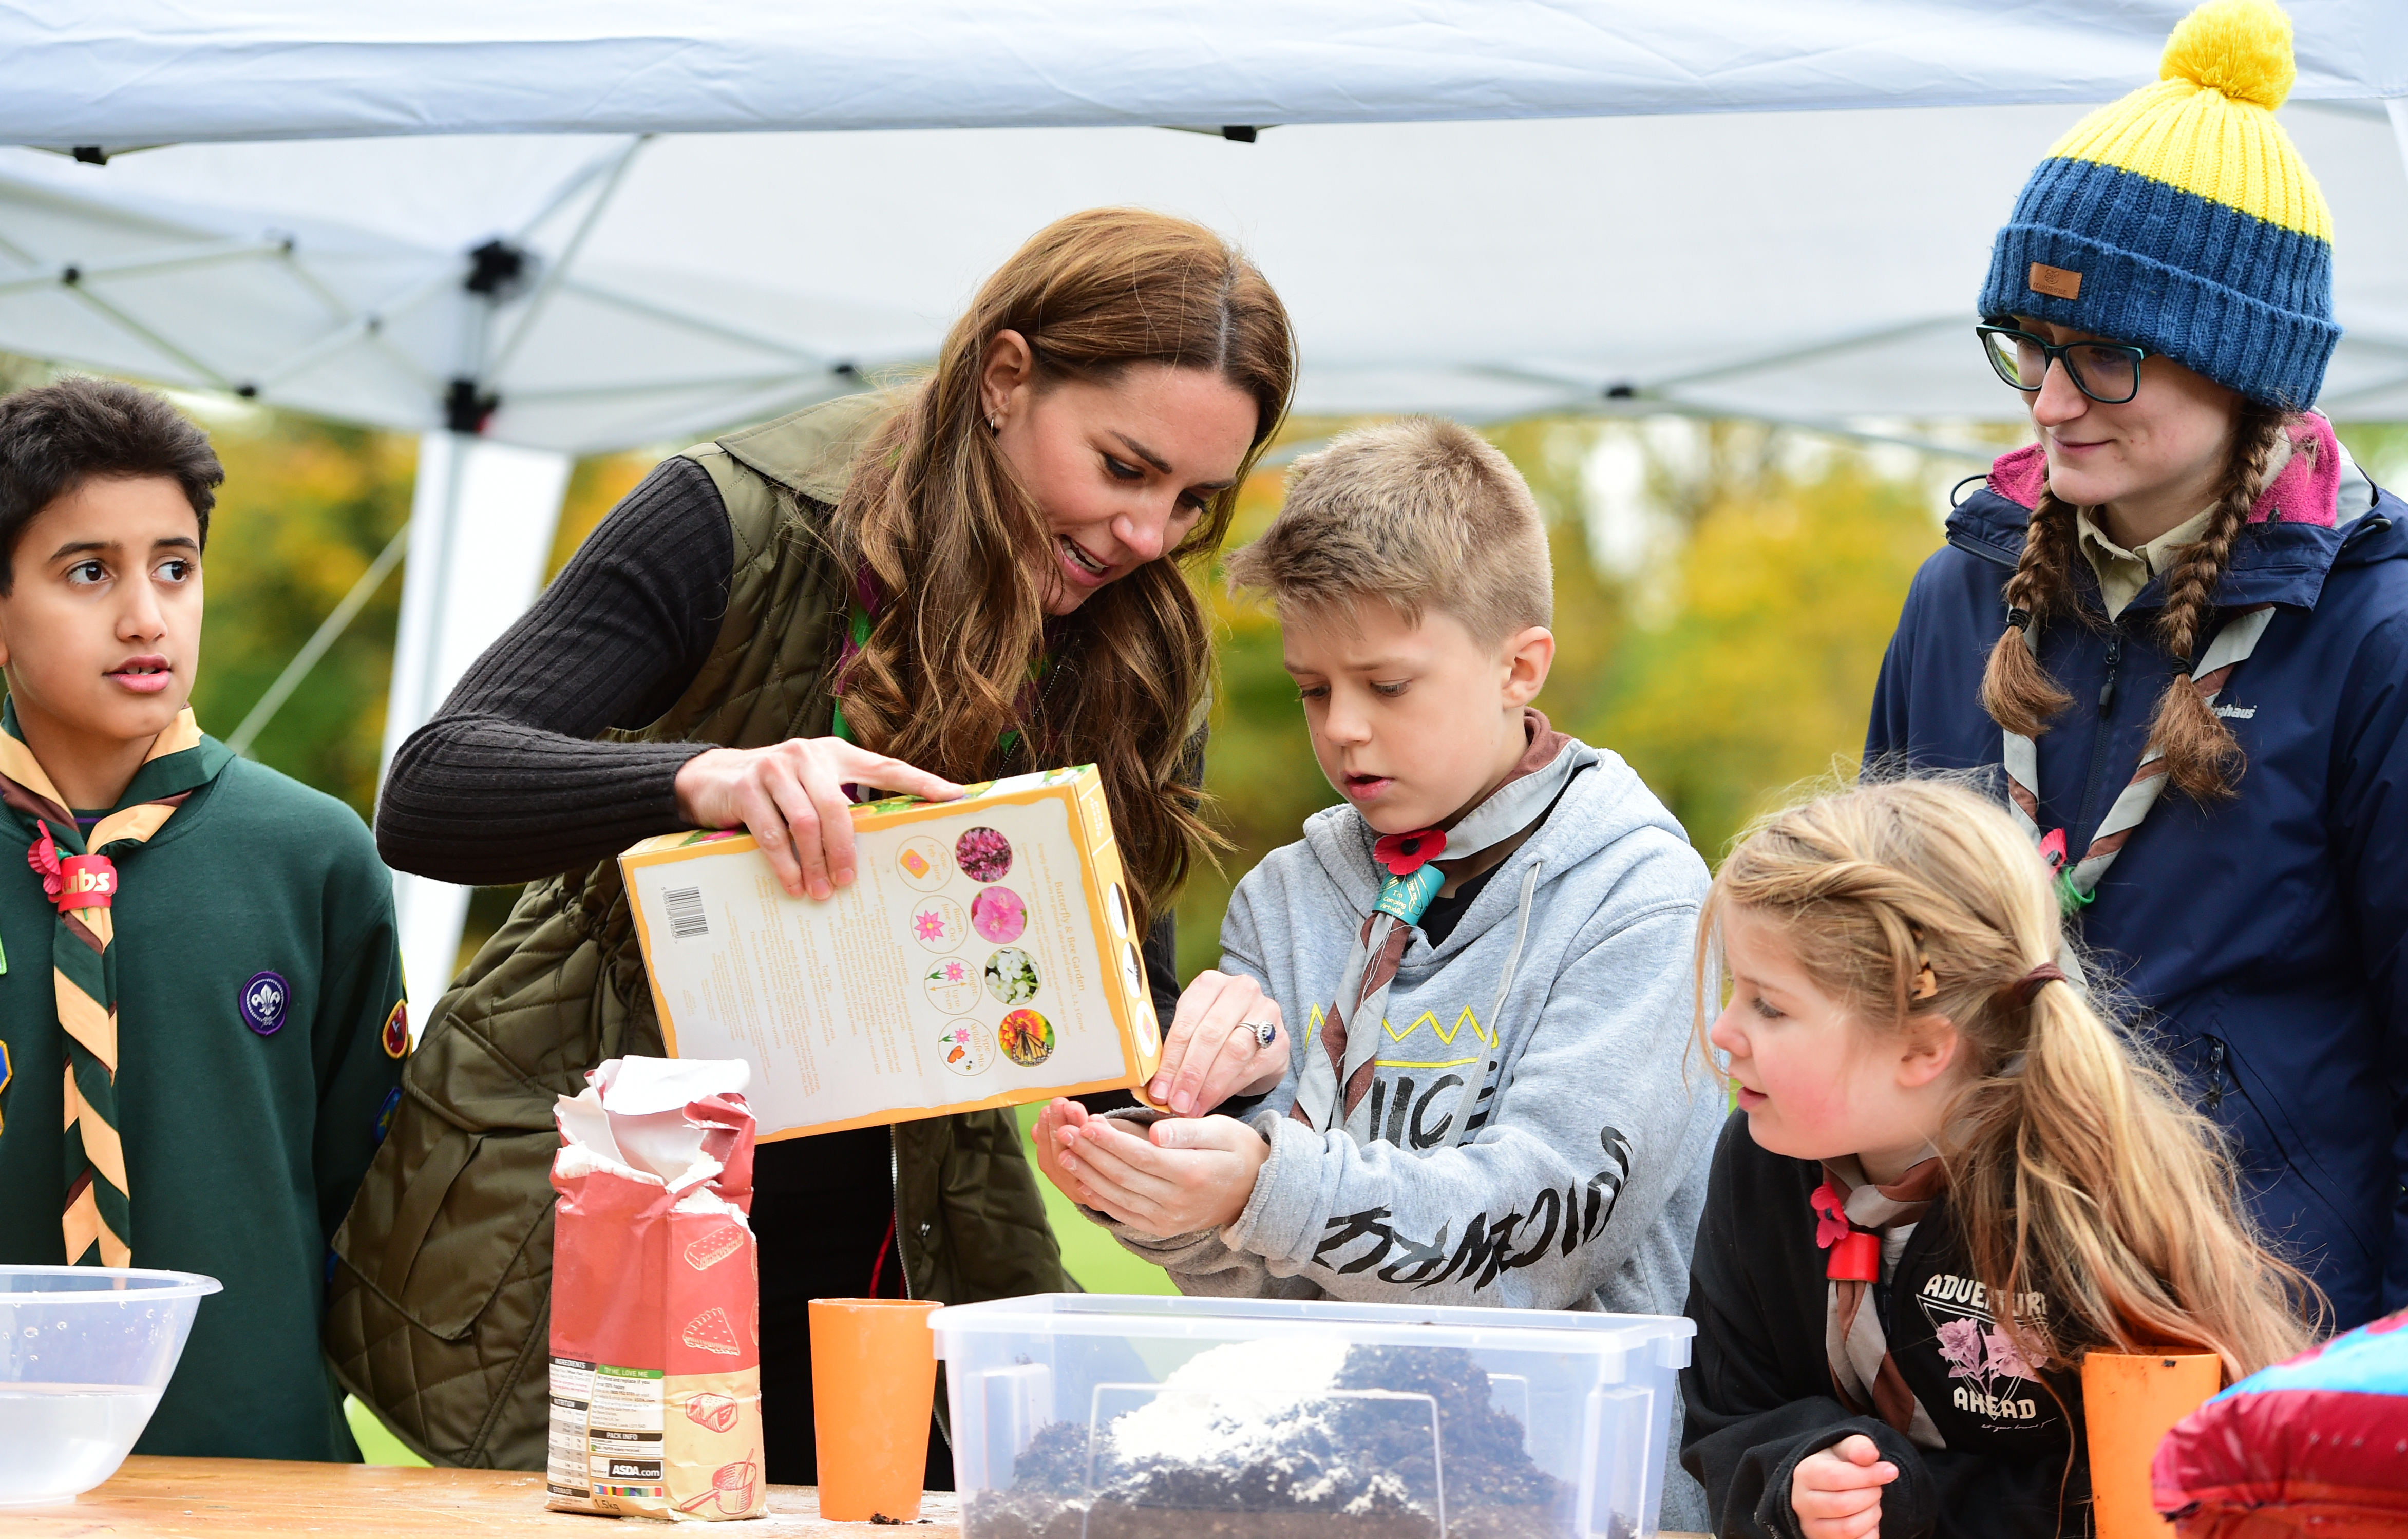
1486 953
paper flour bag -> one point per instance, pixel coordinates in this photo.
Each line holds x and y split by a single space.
655 1296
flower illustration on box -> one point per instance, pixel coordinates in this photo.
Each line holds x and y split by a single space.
939 925
998 915
1011 976
967 1048
953 986
1027 1038
984 855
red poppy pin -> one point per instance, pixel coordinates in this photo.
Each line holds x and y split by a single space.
1405 853
2052 849
44 858
1831 1220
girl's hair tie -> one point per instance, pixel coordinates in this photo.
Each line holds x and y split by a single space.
2030 985
2018 619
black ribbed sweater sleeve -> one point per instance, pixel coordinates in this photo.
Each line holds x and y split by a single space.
507 783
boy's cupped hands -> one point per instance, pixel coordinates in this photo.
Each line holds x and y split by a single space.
1179 1176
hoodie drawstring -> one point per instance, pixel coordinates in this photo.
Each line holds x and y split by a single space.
1469 1098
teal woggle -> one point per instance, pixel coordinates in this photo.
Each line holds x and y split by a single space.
1409 896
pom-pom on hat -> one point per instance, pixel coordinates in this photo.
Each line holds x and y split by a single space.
2181 219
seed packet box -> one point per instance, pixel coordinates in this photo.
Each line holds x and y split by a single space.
983 956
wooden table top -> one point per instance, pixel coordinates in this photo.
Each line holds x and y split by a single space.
272 1499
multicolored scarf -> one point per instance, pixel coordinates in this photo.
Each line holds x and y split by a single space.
2304 482
1850 1216
1342 1052
2235 639
78 874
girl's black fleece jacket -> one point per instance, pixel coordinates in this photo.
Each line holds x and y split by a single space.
1759 1391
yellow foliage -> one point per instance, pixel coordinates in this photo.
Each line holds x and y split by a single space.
306 507
1764 675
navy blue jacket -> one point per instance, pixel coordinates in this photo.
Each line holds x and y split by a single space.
2264 936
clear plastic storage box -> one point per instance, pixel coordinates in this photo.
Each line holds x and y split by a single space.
1105 1417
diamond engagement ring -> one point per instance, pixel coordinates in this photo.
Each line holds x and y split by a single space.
1263 1032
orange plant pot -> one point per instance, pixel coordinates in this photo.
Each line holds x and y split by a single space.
2129 1402
873 1386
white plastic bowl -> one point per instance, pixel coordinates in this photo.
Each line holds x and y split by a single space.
84 1353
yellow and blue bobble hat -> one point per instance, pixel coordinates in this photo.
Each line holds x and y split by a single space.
2181 218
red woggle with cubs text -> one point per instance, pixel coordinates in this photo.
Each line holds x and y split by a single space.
86 882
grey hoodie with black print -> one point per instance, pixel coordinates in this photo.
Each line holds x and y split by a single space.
1581 1180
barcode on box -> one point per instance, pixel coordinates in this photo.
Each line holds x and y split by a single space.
687 918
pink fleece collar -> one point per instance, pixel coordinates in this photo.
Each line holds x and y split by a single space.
2307 492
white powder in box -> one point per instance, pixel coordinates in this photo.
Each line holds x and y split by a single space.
1230 1406
1214 1407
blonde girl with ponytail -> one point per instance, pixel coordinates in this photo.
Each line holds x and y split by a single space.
1949 1176
2172 629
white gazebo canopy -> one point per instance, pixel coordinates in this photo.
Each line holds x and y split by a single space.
115 73
528 231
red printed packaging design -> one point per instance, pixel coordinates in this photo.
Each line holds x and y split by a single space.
655 1289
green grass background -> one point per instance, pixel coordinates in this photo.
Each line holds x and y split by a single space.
1093 1256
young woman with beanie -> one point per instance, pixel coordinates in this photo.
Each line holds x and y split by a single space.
978 576
2179 625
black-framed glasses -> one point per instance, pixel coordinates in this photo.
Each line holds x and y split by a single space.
2107 372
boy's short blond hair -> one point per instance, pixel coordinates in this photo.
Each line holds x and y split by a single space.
1422 514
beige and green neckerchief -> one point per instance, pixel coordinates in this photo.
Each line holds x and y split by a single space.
78 874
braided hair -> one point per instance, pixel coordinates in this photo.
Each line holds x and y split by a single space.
2202 758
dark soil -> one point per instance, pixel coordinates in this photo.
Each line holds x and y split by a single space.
1334 1469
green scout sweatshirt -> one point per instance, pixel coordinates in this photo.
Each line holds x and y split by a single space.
249 1105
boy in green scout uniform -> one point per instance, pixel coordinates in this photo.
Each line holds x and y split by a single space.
201 1017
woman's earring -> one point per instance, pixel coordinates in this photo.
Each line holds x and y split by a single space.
994 422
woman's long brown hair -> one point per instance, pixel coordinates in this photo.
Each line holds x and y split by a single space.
2075 1170
961 554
